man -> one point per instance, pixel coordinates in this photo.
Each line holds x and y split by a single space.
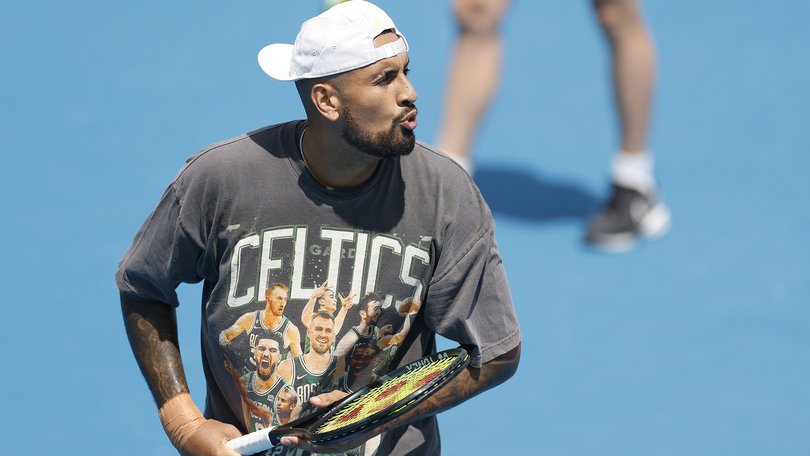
244 212
260 389
313 372
323 300
269 320
363 342
633 209
357 349
286 406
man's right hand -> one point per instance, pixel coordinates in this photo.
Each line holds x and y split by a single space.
209 440
321 401
191 433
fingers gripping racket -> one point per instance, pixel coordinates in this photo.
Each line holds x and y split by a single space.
377 403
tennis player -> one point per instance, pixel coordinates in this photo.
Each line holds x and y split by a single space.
244 213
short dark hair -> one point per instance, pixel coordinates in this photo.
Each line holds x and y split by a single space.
289 388
369 298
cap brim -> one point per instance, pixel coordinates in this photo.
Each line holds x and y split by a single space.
275 60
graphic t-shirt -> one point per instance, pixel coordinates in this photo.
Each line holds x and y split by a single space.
245 216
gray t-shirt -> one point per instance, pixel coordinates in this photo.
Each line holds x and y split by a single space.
245 215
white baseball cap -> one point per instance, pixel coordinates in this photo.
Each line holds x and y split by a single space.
337 40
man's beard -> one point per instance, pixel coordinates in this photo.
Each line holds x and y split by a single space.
393 143
317 348
265 376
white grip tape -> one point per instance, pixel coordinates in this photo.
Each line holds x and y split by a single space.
251 443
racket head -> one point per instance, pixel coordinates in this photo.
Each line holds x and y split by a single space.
387 397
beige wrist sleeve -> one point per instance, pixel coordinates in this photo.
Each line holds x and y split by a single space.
181 418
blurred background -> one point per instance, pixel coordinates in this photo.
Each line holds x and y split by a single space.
696 344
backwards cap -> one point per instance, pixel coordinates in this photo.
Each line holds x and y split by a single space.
337 40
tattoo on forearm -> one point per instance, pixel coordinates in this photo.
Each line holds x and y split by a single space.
468 384
152 332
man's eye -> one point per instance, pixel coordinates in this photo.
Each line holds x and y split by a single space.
387 78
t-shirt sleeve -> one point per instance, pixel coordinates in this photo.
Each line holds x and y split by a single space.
163 254
468 300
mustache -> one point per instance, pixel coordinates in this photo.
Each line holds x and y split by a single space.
412 112
263 375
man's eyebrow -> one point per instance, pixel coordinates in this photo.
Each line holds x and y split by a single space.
391 67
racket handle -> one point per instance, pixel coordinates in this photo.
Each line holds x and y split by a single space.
252 443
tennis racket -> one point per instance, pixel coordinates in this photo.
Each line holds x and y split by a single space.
377 403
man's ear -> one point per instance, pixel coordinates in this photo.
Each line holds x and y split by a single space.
326 100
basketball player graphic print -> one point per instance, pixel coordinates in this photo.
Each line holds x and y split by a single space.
299 342
314 372
366 350
268 321
261 389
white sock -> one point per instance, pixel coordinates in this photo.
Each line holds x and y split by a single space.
465 162
634 170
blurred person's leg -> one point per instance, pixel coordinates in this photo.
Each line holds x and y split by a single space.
473 75
633 66
633 208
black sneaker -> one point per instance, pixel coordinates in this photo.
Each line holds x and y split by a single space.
627 215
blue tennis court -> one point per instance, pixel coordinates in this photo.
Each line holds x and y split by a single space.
697 344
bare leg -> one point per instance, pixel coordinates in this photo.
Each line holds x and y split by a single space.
634 63
633 209
474 73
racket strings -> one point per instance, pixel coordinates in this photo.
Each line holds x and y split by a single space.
385 395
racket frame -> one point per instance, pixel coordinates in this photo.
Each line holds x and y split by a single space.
303 426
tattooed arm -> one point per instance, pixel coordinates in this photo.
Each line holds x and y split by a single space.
152 331
468 384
